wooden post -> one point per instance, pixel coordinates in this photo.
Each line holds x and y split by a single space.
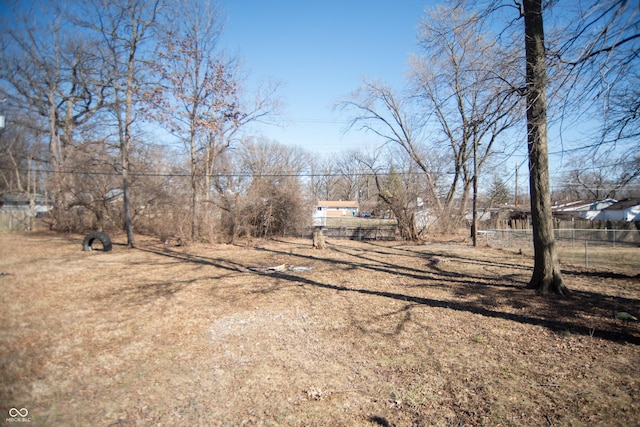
318 239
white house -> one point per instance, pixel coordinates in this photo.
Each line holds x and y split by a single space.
624 210
587 209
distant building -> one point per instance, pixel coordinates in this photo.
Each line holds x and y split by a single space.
585 209
334 209
20 202
600 210
624 210
17 211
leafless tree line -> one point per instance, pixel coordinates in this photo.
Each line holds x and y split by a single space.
94 89
91 85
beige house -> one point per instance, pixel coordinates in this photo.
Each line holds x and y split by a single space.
336 208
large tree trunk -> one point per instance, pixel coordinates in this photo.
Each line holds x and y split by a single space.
546 271
127 199
194 195
125 144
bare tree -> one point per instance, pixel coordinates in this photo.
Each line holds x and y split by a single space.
546 270
343 177
261 106
601 181
93 188
31 68
352 179
383 114
198 92
274 202
324 179
202 98
463 85
399 184
56 77
546 275
14 152
463 76
124 29
600 50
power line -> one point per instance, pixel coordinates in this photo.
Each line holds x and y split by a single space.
187 175
227 174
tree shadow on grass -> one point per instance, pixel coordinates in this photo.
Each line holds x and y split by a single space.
549 321
143 293
429 274
485 295
480 295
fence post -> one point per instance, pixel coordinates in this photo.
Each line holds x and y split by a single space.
586 253
614 237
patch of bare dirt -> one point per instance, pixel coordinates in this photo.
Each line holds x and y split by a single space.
278 333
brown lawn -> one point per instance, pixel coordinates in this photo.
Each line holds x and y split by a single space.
374 334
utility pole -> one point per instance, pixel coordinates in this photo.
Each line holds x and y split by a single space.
474 225
516 198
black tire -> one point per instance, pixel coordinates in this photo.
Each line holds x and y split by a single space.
87 244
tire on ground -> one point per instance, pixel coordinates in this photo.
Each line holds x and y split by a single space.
97 235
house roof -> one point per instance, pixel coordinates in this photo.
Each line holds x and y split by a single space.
582 205
338 204
17 198
623 204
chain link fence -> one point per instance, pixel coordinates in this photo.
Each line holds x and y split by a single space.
608 249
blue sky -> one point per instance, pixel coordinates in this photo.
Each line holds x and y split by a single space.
321 51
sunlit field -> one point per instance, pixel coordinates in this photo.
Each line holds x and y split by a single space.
277 333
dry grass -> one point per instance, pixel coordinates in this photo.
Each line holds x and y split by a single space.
375 334
621 259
